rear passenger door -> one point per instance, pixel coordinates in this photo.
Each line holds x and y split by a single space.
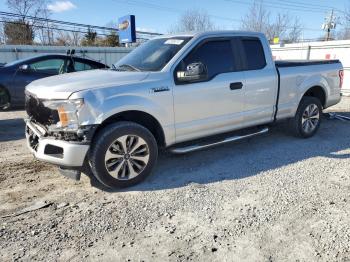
261 81
215 104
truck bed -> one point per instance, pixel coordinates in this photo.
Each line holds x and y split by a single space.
296 76
292 63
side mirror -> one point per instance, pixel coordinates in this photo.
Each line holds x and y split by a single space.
24 68
194 72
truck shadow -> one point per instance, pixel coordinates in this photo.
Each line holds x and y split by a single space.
247 158
11 129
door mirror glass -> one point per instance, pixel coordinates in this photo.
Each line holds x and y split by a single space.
194 72
24 67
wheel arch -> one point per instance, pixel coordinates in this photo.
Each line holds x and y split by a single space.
140 117
7 91
318 92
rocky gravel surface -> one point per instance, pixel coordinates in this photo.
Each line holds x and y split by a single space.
269 198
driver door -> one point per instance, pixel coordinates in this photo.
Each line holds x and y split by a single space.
35 70
215 104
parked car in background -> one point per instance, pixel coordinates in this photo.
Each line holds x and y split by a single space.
16 75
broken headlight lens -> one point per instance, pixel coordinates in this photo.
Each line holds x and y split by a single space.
68 113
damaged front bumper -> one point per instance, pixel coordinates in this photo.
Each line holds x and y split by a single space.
69 154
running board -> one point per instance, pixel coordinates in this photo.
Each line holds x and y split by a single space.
200 146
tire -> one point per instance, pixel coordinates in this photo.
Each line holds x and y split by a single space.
307 119
123 154
4 99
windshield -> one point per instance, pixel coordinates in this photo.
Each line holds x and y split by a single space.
152 55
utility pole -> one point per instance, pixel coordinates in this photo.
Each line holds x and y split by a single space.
329 24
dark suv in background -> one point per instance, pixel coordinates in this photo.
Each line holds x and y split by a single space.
15 76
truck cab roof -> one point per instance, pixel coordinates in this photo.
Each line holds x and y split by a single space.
214 33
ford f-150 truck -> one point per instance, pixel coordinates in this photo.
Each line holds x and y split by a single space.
181 92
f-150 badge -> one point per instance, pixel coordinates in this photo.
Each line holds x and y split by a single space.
159 89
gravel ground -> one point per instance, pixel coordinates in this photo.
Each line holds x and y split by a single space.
270 198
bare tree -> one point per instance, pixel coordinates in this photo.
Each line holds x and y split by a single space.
76 38
45 29
73 38
279 27
295 32
258 19
193 21
111 37
63 38
25 27
2 34
27 7
345 32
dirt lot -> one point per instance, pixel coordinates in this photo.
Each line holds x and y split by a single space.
271 198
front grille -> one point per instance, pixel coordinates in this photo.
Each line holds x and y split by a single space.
39 113
33 139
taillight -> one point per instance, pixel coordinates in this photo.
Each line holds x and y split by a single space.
341 78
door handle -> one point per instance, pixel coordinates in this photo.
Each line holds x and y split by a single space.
235 86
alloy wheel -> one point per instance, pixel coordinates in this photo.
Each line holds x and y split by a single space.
127 157
310 118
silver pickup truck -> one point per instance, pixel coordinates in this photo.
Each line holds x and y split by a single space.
182 93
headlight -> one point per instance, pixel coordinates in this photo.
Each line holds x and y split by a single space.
67 112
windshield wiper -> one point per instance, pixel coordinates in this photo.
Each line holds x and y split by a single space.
133 68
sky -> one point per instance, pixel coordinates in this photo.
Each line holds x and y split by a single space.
159 16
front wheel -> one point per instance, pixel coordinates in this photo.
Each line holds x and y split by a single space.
307 118
4 99
123 154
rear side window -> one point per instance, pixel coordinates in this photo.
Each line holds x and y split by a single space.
254 53
215 55
79 66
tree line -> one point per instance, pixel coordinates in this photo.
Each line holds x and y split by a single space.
31 25
24 31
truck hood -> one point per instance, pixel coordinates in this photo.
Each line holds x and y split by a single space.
62 86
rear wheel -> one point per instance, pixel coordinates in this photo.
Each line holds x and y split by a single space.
308 118
4 99
123 154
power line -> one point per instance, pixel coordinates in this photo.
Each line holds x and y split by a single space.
169 9
306 6
310 5
50 28
55 21
278 6
47 20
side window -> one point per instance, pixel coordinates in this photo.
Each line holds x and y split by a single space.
49 66
254 53
216 55
82 66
